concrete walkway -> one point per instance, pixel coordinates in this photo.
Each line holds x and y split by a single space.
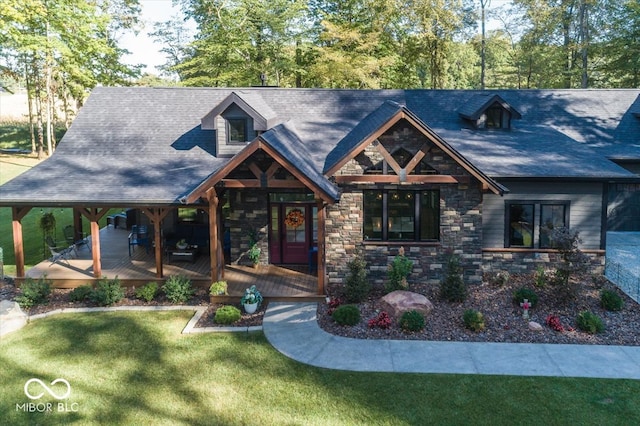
293 330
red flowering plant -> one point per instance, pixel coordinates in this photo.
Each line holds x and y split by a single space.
333 305
382 321
554 322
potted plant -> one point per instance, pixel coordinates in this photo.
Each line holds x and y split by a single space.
251 299
254 254
182 244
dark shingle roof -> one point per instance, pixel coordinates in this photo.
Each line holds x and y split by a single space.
141 145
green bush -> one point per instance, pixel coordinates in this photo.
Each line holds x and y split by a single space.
473 320
147 292
611 301
589 322
525 293
453 288
218 288
412 321
107 292
34 292
346 315
540 277
80 294
398 272
227 315
500 278
178 289
356 286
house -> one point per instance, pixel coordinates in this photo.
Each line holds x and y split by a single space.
317 175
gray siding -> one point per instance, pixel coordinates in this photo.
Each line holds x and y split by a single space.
585 209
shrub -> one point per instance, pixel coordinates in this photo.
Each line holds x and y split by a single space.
218 288
540 278
398 272
107 292
147 292
501 278
525 293
227 315
554 323
34 292
453 288
381 321
178 289
589 322
80 294
412 321
346 315
611 301
356 286
473 320
572 261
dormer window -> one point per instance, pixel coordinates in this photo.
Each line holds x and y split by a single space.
497 118
236 130
486 111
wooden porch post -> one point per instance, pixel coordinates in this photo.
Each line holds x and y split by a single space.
156 216
18 242
216 269
94 215
321 247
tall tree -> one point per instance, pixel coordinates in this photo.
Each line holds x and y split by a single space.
63 48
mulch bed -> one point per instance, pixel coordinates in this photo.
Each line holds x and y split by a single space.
503 318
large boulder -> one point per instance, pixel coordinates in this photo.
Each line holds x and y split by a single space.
11 317
400 301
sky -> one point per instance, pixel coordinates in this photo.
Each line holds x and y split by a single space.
145 51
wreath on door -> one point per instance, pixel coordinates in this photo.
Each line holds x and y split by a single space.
294 218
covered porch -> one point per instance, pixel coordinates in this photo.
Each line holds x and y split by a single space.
275 282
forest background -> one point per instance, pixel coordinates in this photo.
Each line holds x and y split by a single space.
59 50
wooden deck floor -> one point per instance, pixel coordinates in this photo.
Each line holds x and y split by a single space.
276 282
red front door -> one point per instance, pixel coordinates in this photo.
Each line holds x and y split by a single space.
291 232
295 242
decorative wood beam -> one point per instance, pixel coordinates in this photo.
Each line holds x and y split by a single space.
18 214
423 179
387 156
256 170
252 183
417 158
273 168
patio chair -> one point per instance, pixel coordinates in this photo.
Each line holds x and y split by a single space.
58 252
80 240
139 236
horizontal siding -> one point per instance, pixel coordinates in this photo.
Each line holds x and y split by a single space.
585 209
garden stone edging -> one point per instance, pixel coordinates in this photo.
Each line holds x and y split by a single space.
188 329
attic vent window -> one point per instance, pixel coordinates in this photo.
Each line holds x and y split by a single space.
494 117
237 130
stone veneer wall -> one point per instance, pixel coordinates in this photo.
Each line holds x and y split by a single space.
522 262
249 211
460 218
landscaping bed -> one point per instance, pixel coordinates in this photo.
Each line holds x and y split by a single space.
503 317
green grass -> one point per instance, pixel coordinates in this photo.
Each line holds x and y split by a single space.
16 135
136 368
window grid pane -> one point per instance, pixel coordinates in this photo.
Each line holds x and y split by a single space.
551 216
521 225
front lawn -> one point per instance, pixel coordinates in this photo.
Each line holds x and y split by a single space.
136 368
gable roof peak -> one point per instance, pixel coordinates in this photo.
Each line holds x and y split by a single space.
249 101
475 106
